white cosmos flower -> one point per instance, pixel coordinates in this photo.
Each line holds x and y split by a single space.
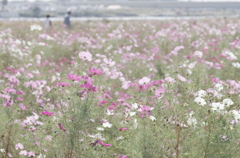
132 114
218 87
231 55
227 102
107 124
192 121
120 138
198 54
236 64
236 114
110 112
135 105
135 124
201 93
152 118
100 128
200 101
217 107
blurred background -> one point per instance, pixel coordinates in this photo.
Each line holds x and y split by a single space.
118 8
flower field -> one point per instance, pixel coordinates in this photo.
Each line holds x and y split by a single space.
120 89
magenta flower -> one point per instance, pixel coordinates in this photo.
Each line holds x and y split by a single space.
74 77
123 128
122 156
103 144
47 113
61 127
94 71
63 84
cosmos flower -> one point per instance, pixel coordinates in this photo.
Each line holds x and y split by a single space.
85 56
61 127
123 128
200 101
74 77
217 106
94 71
103 144
144 80
47 113
107 124
63 84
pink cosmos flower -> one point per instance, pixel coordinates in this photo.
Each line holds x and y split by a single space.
145 111
94 71
63 84
122 156
109 62
160 91
32 129
31 154
19 146
61 127
88 87
23 152
20 99
103 144
22 106
181 78
85 56
123 128
47 113
74 77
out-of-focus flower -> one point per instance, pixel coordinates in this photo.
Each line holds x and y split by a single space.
200 101
236 64
217 106
31 154
181 78
218 87
227 102
201 93
100 128
198 54
94 71
122 156
23 152
107 124
19 146
85 56
47 113
144 80
103 144
74 77
123 128
35 27
152 118
63 84
61 127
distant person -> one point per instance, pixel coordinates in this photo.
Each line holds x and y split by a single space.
47 22
67 21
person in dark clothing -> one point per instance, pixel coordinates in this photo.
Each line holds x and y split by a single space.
67 21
